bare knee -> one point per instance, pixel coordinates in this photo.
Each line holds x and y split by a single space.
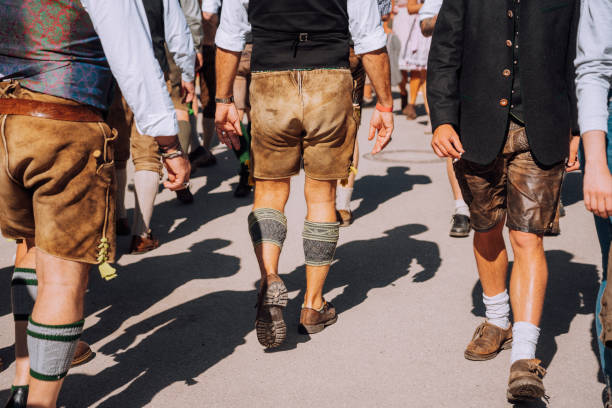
272 193
525 240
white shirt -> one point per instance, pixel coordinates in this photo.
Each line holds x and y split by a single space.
364 24
211 6
178 38
126 40
594 64
429 9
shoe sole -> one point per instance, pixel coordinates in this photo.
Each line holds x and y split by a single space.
82 359
272 333
524 389
459 234
315 328
484 357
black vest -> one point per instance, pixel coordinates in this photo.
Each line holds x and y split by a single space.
304 34
155 16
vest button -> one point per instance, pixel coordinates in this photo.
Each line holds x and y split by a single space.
506 72
509 43
97 154
503 102
510 14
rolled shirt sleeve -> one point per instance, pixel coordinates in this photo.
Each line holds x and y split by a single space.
211 6
594 64
234 28
365 26
429 9
178 39
124 33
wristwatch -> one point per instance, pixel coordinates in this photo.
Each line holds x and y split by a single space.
177 153
225 100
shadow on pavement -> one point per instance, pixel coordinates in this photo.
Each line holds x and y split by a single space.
179 344
572 290
375 190
173 220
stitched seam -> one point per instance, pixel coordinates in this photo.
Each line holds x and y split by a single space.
6 155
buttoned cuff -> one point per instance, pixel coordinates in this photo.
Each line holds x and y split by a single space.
372 41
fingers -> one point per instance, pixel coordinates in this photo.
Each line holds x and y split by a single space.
372 132
234 141
178 173
457 143
437 151
450 149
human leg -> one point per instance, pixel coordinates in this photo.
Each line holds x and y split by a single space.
403 89
460 226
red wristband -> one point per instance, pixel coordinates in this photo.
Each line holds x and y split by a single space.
381 108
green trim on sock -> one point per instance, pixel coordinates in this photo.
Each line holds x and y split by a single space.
43 377
25 270
80 323
17 387
21 317
24 282
53 337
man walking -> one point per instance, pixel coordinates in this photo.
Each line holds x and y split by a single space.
301 109
500 88
57 182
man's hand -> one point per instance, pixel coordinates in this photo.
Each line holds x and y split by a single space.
572 162
199 61
187 91
446 143
597 181
227 123
178 167
428 25
381 122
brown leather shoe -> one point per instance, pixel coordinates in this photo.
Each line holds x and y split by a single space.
313 321
488 341
345 217
410 111
141 245
525 381
82 355
269 324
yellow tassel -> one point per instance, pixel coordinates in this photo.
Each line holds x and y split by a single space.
107 272
344 181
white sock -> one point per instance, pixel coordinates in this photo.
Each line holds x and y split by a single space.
498 309
462 208
524 340
145 187
343 198
121 175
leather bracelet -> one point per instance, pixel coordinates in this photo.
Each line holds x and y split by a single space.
225 100
381 108
177 153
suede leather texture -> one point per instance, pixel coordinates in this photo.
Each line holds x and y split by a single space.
513 185
57 181
302 116
144 149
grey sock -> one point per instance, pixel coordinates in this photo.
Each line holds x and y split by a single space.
51 348
24 288
267 225
320 241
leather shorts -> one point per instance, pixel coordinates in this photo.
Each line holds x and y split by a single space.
302 115
514 186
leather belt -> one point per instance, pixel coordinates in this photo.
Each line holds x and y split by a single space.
49 110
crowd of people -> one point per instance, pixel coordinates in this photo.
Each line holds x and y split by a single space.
86 85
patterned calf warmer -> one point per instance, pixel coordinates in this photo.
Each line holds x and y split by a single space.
24 288
320 240
52 348
268 225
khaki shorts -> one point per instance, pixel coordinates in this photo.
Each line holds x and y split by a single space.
145 150
243 80
513 185
302 115
57 181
